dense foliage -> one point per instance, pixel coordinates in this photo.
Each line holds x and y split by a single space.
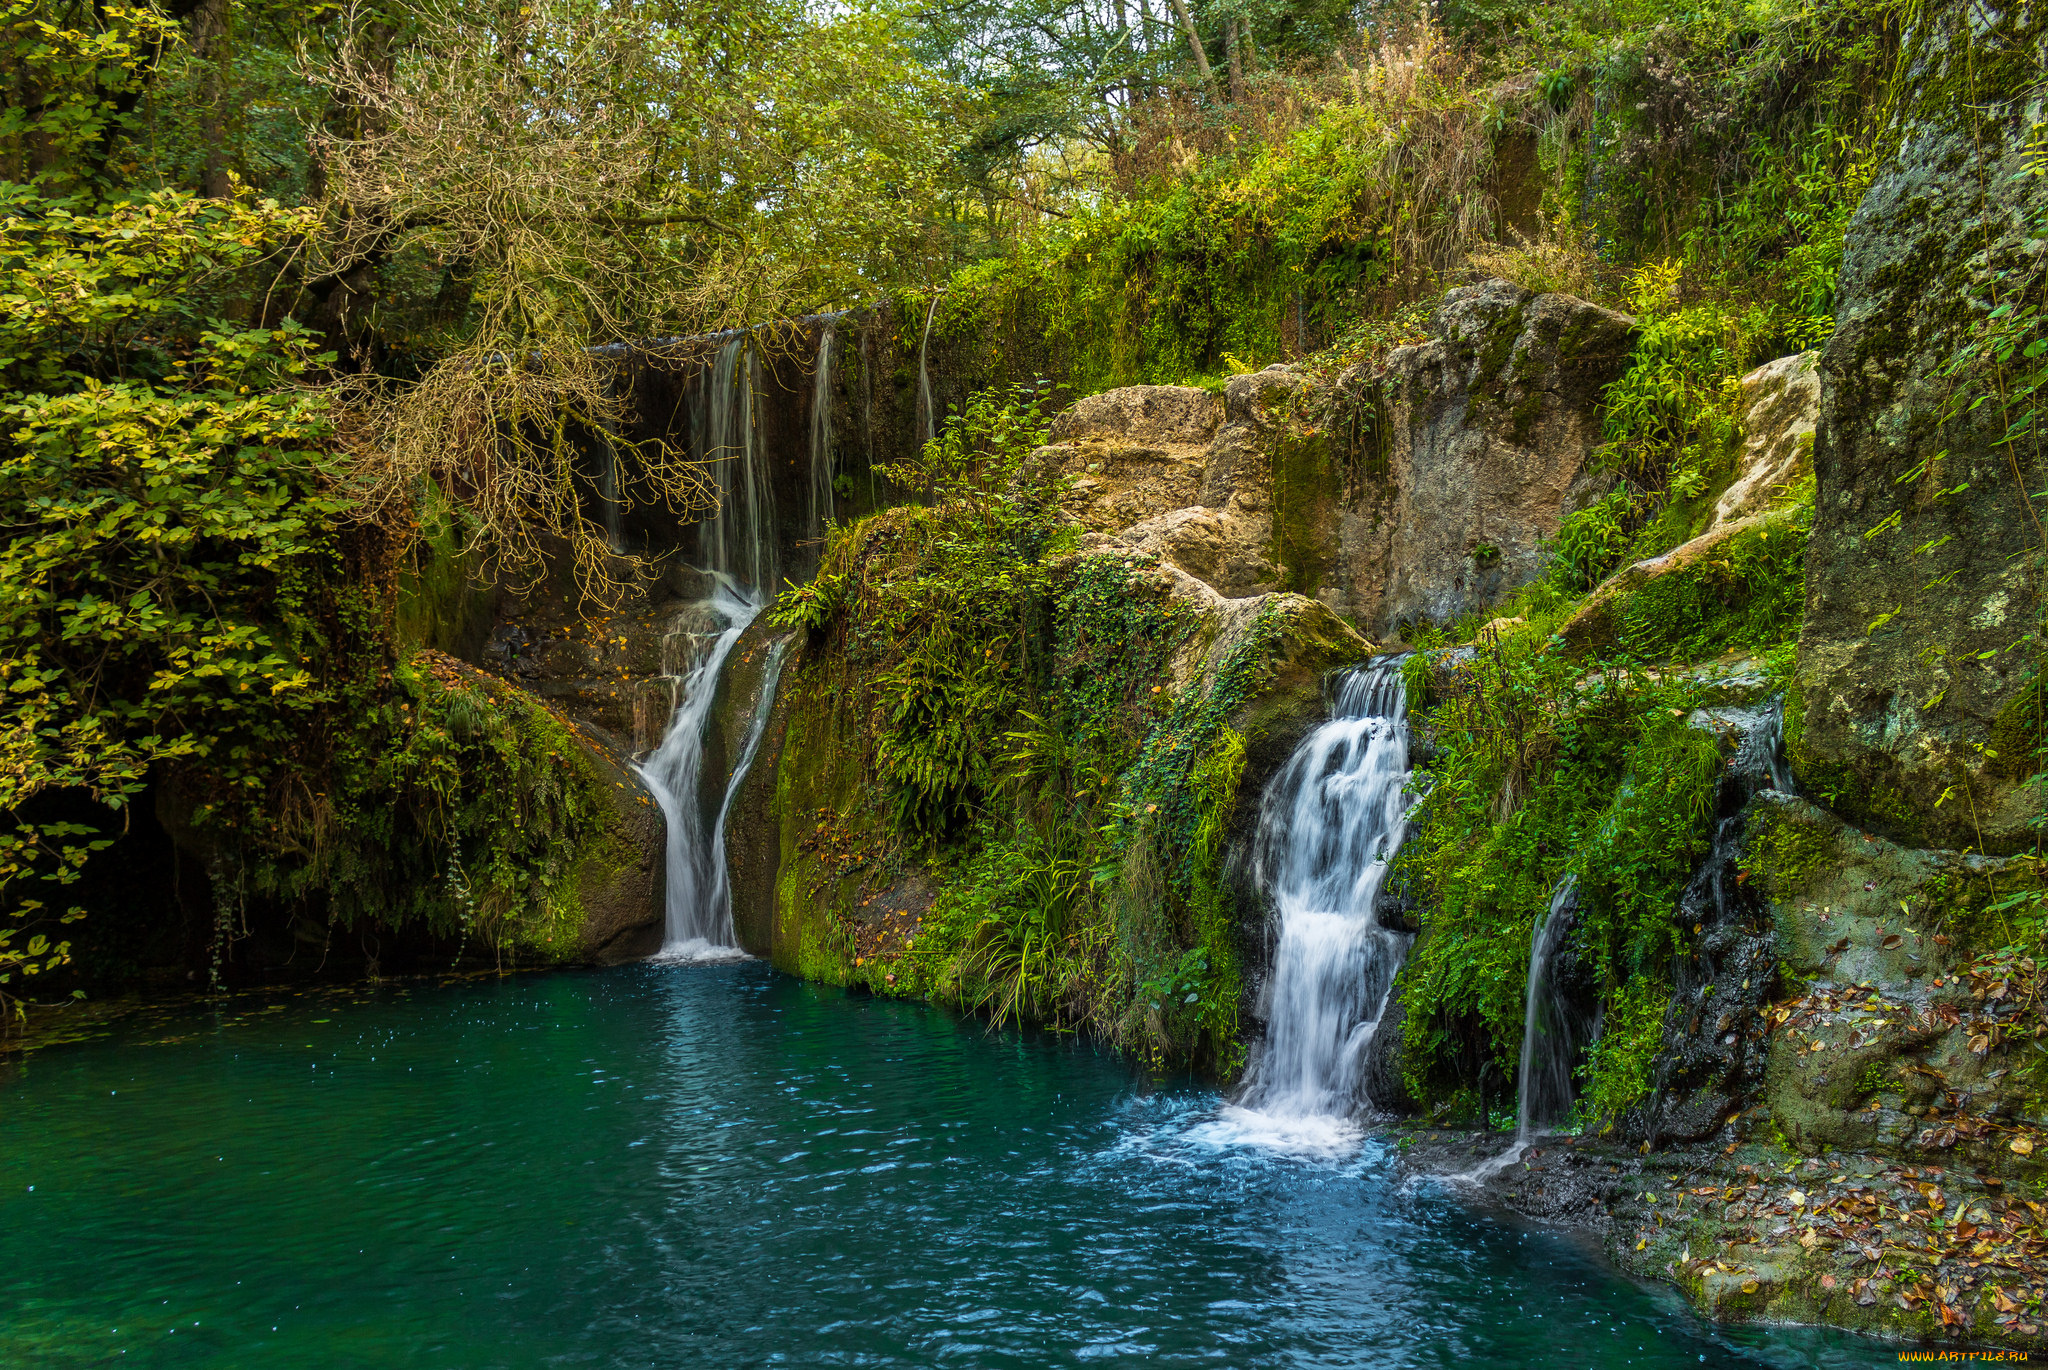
1001 698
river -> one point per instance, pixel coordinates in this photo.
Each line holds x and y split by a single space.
712 1166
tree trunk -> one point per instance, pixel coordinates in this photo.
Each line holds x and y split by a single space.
1145 22
1236 59
1187 25
211 47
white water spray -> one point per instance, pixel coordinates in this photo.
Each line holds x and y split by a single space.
821 427
1329 827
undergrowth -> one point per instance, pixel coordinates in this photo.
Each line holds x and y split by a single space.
1012 729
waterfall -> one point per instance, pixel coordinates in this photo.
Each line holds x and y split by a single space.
719 891
739 537
821 428
924 376
698 924
614 533
1330 823
1554 1034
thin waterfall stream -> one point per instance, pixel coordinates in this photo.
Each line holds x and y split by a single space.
1554 1033
822 472
1329 826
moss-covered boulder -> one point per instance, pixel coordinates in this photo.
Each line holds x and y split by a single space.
1919 719
621 875
1902 1026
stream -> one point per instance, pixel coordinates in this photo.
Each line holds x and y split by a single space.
716 1165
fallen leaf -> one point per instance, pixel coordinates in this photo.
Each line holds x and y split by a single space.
1749 1286
1893 942
2022 1146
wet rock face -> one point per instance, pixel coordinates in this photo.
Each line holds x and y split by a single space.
621 890
1712 1059
1924 561
1480 448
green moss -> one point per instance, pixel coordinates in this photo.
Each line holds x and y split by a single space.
461 805
441 602
1749 592
2019 734
1784 851
1617 1072
1496 351
1306 487
1539 776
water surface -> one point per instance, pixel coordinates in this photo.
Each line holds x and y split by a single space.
715 1166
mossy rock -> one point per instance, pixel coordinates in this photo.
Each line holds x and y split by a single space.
1925 565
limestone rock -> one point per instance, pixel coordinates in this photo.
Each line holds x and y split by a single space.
1139 415
1780 407
1423 489
1489 427
1477 445
1176 473
1924 564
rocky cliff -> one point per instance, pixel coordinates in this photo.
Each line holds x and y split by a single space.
1918 709
1408 492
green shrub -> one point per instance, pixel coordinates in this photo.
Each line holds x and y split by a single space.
1541 774
1615 1076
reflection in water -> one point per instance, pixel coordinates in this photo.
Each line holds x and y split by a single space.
718 1166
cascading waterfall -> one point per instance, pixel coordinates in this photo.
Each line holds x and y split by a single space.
1329 826
821 427
737 546
698 905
